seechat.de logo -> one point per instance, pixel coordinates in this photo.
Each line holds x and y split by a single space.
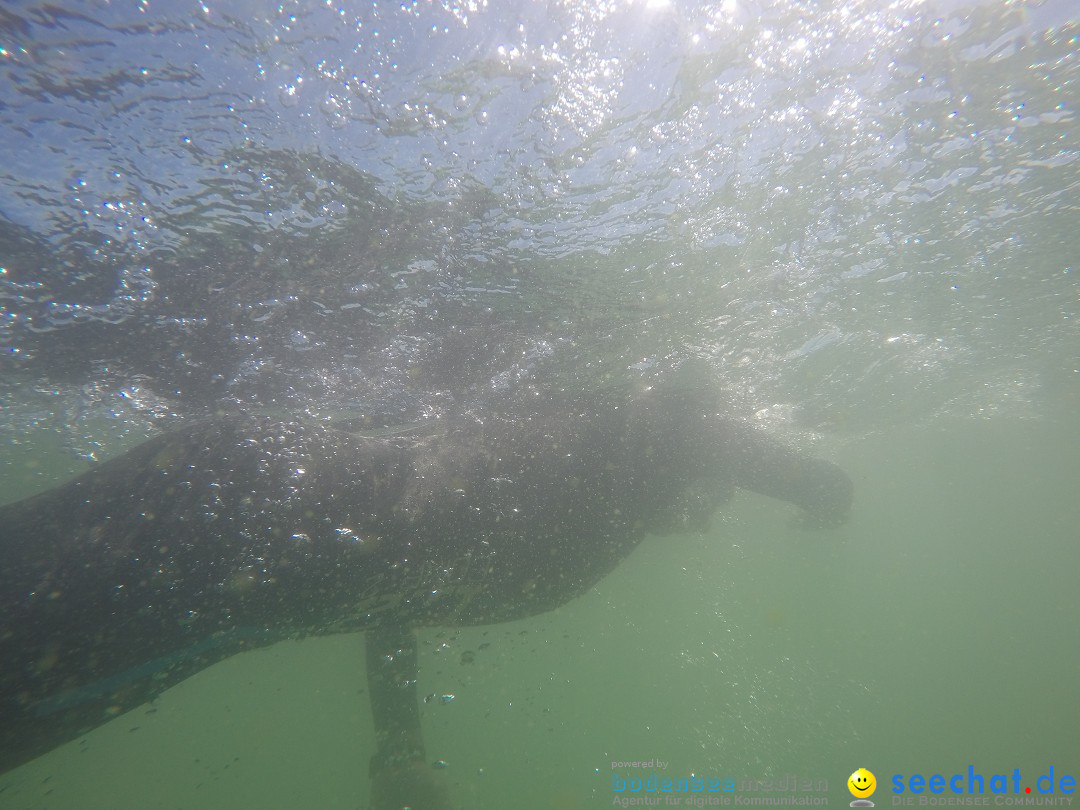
1005 789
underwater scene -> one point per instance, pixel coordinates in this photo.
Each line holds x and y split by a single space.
539 405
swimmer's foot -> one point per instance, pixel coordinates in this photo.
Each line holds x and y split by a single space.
411 784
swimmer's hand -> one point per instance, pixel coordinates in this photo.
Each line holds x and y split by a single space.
825 495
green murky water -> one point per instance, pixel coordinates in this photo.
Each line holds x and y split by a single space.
932 632
861 216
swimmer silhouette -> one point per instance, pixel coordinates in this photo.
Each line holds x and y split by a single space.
240 531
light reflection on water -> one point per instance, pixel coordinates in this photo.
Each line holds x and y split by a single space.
860 214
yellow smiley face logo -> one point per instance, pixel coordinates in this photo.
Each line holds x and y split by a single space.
862 784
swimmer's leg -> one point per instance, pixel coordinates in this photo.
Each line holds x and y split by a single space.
400 773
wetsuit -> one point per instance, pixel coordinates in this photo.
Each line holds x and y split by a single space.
241 531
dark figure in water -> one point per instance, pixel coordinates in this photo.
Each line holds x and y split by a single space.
238 532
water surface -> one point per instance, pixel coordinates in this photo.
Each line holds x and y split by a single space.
861 216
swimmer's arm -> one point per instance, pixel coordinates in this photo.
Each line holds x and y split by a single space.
763 465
